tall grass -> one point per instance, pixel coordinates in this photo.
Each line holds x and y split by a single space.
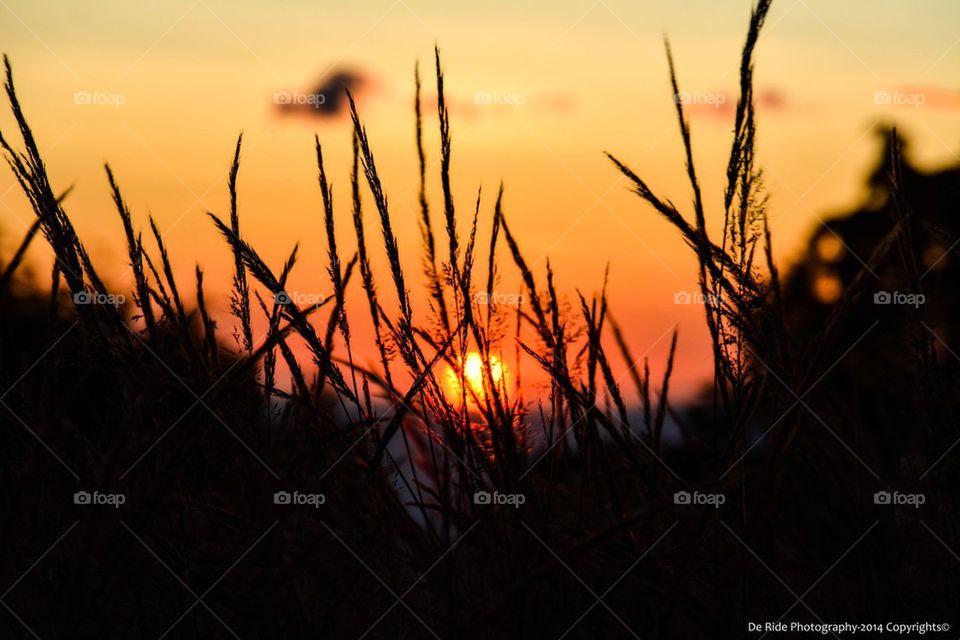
193 428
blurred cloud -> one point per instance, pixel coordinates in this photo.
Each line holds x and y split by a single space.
721 106
934 96
328 97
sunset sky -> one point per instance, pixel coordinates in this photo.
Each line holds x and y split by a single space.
171 84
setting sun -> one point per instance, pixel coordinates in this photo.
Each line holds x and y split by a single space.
473 375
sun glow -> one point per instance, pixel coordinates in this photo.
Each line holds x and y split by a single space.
474 376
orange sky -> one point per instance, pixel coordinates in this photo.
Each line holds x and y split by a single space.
174 82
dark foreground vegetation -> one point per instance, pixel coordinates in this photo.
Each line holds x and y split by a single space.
155 481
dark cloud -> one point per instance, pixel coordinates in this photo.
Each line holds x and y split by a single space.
328 98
